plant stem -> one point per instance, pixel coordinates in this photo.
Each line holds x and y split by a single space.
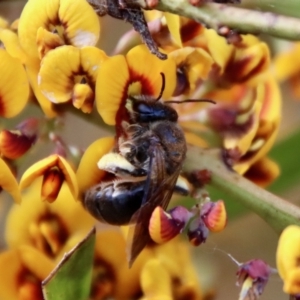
277 212
242 20
287 7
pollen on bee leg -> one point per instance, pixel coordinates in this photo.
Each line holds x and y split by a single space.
52 182
164 226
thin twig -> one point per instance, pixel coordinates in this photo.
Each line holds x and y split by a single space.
242 20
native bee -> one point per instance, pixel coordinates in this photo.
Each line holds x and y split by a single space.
145 164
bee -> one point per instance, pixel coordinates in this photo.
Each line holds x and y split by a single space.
146 164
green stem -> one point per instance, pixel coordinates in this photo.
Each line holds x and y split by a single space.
277 212
243 20
287 7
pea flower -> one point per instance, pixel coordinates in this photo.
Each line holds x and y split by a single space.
81 27
40 31
135 77
68 73
46 226
253 275
55 171
287 258
22 280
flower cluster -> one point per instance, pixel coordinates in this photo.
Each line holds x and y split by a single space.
49 59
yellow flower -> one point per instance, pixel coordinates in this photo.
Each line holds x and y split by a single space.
44 226
179 279
287 259
193 66
8 182
74 22
246 118
22 279
68 73
240 63
55 171
14 86
138 74
32 66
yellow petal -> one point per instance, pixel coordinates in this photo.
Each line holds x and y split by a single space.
14 86
81 24
11 43
195 62
3 23
250 63
291 283
91 59
173 22
65 66
288 251
29 258
194 139
149 73
47 41
39 168
152 288
8 182
111 90
219 49
24 224
88 164
9 282
83 27
83 97
57 72
263 172
35 14
269 120
32 69
287 64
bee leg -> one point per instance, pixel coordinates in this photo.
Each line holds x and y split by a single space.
120 166
182 186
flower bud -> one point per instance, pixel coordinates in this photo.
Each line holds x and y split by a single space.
163 227
214 215
52 182
253 275
13 143
198 232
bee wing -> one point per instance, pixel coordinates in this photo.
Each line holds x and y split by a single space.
158 192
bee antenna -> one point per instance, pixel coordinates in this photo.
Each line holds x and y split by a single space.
163 85
190 100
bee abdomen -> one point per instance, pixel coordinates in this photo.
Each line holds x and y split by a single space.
116 202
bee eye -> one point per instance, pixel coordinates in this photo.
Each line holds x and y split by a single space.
141 155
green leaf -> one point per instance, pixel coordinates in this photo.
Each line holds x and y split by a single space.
71 279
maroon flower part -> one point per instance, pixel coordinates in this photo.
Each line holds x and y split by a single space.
15 143
197 232
253 276
164 226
